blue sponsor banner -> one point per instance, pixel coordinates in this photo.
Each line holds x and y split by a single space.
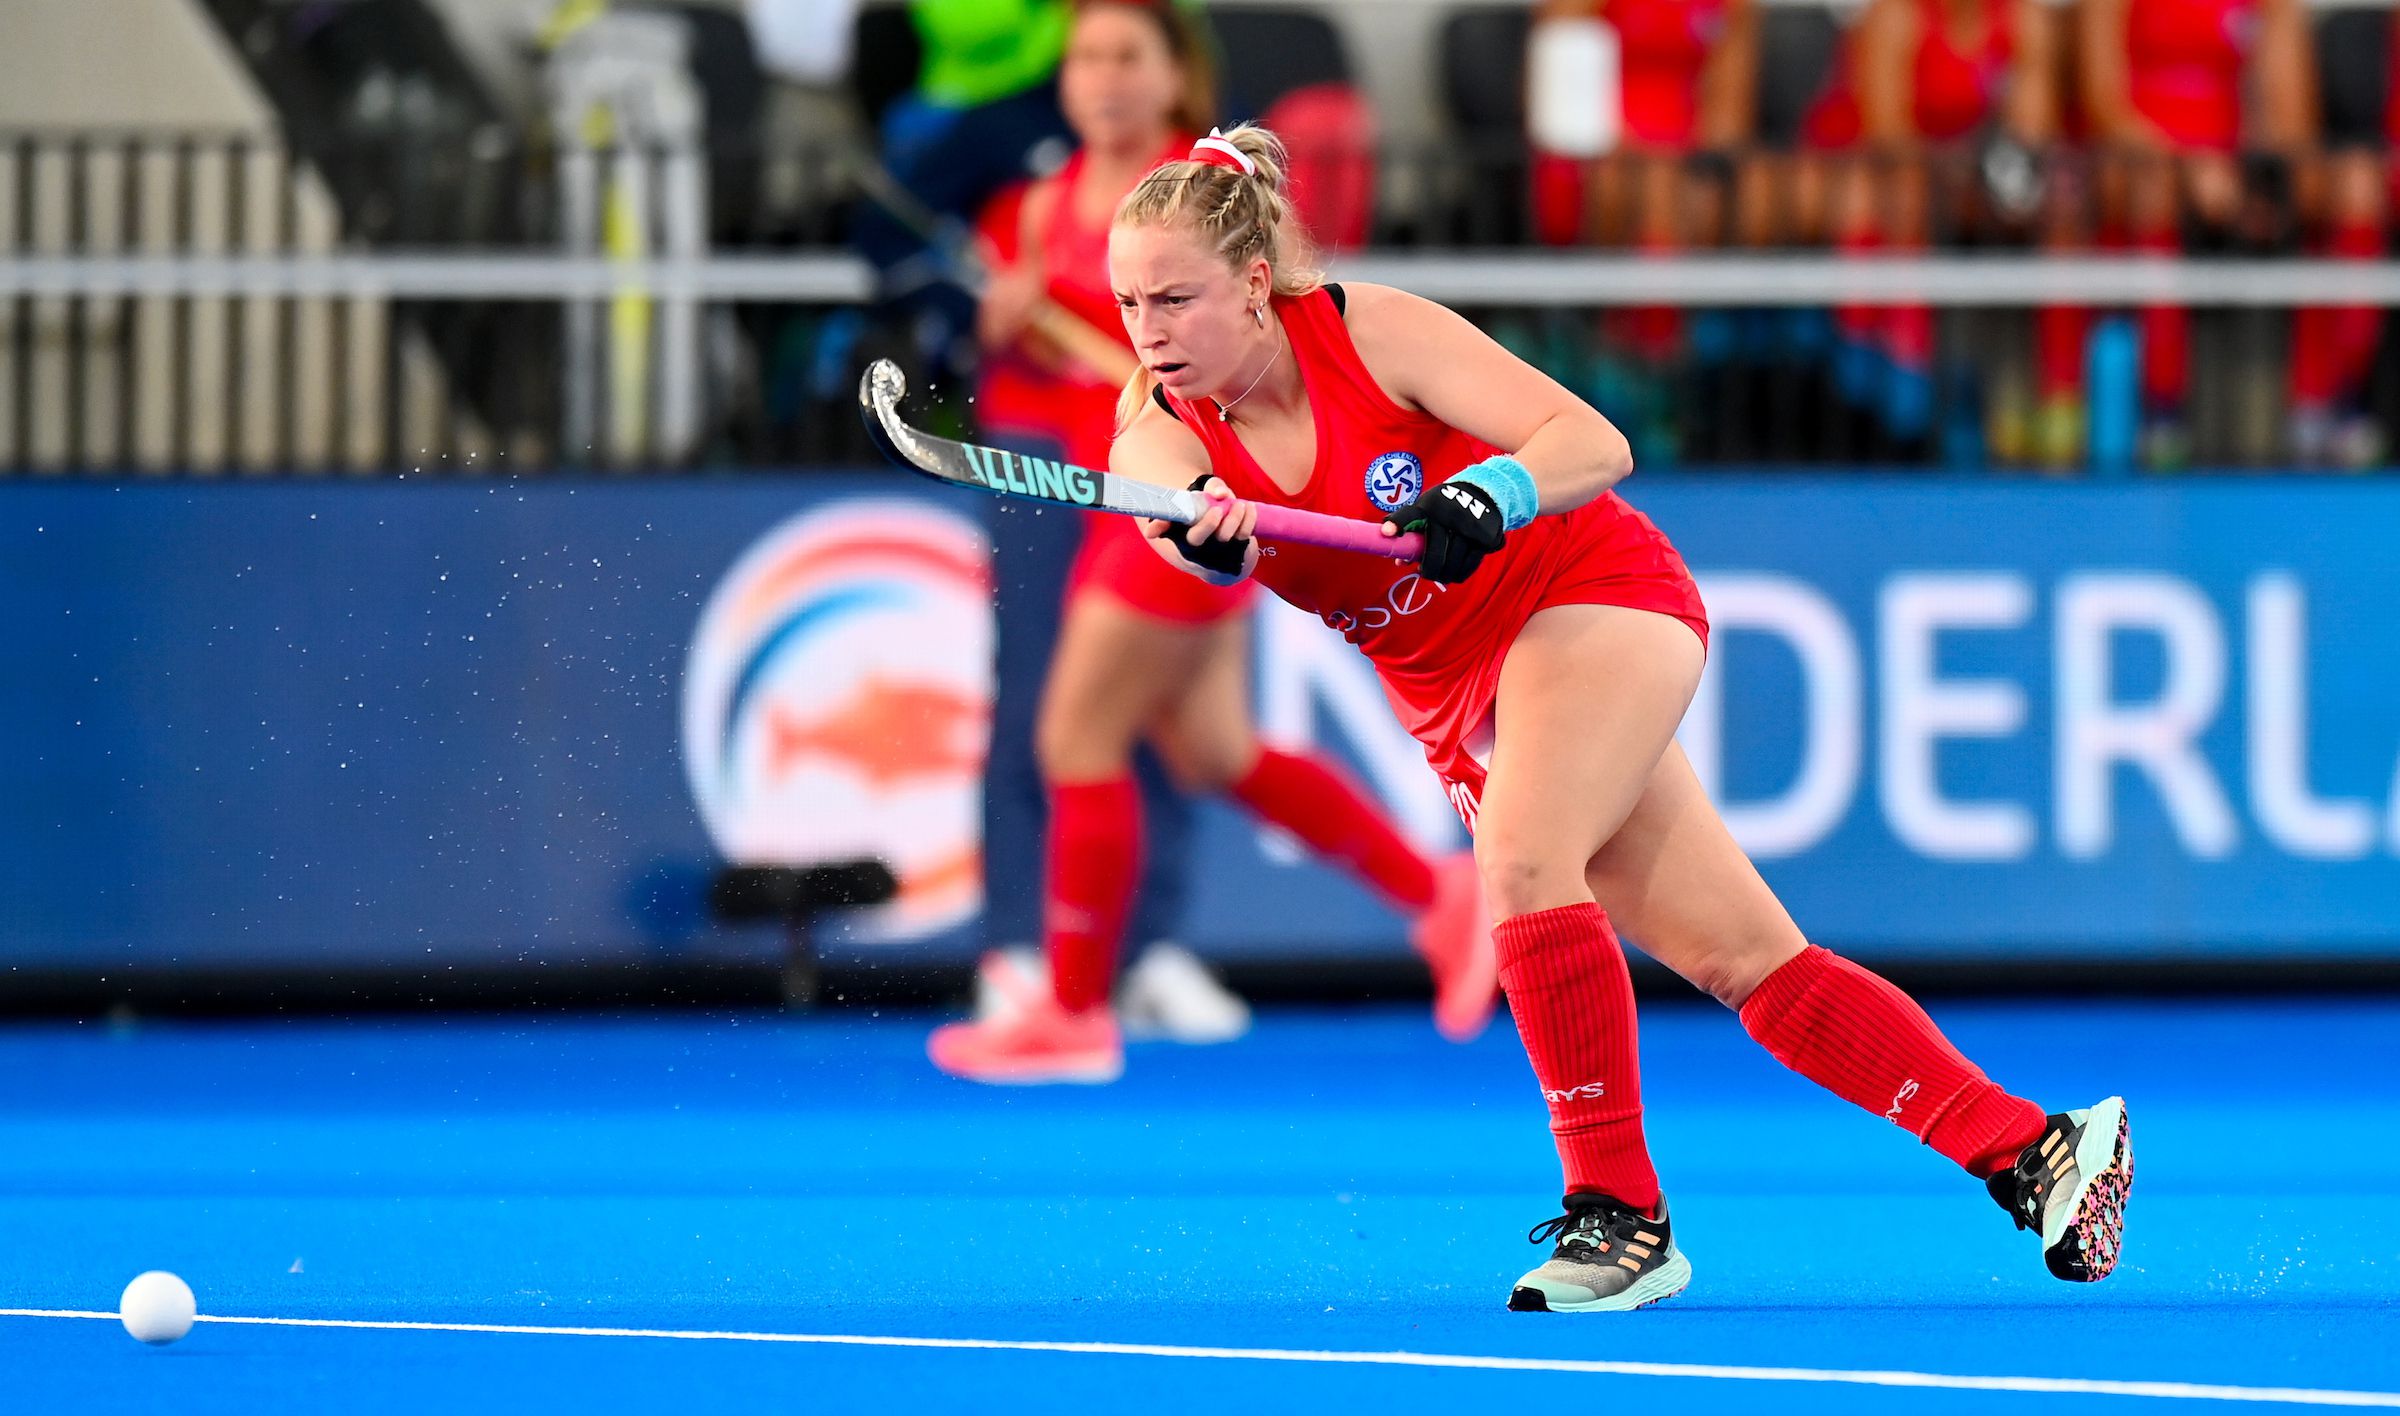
518 724
2131 721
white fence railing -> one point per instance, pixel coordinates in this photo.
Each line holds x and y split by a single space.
1532 279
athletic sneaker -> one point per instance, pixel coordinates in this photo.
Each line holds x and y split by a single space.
2071 1186
1042 1043
1455 937
1009 980
1610 1259
1170 994
1167 995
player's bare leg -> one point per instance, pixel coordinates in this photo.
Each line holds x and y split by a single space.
1114 672
1588 700
1120 676
1674 877
1208 740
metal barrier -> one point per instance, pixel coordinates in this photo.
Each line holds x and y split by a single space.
203 305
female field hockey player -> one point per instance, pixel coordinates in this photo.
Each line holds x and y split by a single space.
2173 92
1542 650
1131 95
1925 90
1145 653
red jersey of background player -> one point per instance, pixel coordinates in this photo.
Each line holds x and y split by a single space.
1661 47
1079 410
2183 67
1953 87
1957 86
1078 406
1437 648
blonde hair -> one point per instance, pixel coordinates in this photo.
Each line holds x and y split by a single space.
1241 216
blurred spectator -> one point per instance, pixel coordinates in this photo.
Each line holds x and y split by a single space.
1637 109
984 113
2172 89
807 46
803 41
2334 348
1944 104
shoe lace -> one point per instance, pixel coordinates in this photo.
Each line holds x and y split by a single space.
1591 1226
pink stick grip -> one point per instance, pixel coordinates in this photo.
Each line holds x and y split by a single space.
1340 533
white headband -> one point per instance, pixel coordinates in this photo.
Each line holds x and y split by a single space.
1215 143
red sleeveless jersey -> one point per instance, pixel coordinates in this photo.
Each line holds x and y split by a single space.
1662 47
1956 86
1437 648
1079 408
2184 61
1080 414
1953 88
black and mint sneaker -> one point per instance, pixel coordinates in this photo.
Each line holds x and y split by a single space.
1610 1259
2071 1187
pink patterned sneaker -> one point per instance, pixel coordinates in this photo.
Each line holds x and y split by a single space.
1038 1044
2071 1186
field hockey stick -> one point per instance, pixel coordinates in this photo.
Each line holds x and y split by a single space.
1010 474
958 254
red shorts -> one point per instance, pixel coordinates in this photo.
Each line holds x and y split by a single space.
2191 111
1114 561
1647 575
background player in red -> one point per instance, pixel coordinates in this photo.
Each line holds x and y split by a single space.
1145 653
1922 83
2334 347
1687 77
1543 651
2172 89
1135 80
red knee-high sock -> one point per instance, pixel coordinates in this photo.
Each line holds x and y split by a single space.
2314 372
1308 798
1908 330
1095 858
2312 376
1870 1044
2357 329
2058 335
1654 332
1858 323
1557 199
1568 988
2332 346
2166 337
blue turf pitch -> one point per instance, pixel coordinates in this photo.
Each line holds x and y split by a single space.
1337 1181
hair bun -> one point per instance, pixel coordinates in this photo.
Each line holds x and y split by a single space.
1268 162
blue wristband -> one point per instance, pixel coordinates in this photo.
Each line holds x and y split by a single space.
1509 485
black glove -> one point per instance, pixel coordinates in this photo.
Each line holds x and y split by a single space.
1461 525
1218 557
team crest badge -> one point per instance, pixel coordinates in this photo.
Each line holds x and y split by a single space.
1394 480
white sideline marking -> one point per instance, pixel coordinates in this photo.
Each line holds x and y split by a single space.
2069 1386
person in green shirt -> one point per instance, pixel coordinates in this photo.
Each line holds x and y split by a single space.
982 51
984 114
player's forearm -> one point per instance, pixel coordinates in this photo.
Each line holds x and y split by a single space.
1575 457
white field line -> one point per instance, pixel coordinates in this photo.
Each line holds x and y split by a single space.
2069 1386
